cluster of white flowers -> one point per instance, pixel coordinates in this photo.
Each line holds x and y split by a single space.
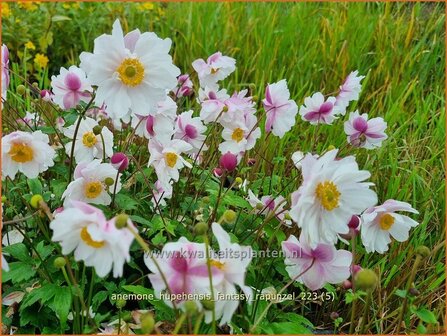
130 81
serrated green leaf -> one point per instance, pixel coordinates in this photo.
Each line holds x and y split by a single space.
61 303
42 294
35 186
138 290
18 251
141 220
18 271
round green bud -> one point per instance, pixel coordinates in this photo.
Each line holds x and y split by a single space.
260 206
97 130
121 221
201 228
255 98
35 85
252 87
59 262
366 279
127 316
35 200
21 89
4 199
206 200
229 216
190 307
109 181
238 180
423 251
147 323
225 108
330 147
421 329
208 304
120 303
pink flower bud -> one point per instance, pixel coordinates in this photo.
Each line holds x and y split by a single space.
45 95
217 172
228 161
355 269
119 161
354 222
251 162
347 284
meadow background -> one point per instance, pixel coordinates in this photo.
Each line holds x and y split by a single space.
400 47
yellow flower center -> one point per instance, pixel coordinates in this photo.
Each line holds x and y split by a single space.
218 264
85 236
171 159
214 70
131 72
21 152
93 189
386 221
238 135
328 195
89 139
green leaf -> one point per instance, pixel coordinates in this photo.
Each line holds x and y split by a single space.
18 271
44 250
286 328
401 293
61 303
125 202
426 315
138 290
141 220
58 18
35 186
42 294
19 252
99 298
159 239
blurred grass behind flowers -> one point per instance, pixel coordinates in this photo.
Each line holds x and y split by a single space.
400 47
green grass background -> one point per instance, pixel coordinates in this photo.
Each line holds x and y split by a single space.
400 47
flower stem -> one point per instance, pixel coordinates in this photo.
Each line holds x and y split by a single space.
365 312
261 317
210 275
179 324
407 289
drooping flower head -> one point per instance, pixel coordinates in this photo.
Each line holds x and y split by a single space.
217 67
89 145
212 102
191 130
331 192
267 205
96 241
279 108
92 183
71 87
350 90
184 87
318 110
132 72
26 152
380 223
365 133
318 265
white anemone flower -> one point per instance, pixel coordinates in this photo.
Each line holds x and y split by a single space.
332 190
132 72
25 152
96 241
166 159
92 183
88 145
382 222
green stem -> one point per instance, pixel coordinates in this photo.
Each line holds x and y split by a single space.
261 317
365 312
198 323
407 289
179 324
